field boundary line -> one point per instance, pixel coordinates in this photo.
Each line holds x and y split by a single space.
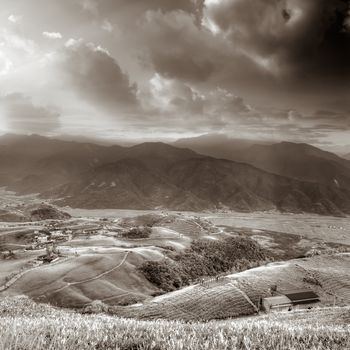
15 278
245 296
69 284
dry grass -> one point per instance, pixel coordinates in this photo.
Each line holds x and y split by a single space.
24 325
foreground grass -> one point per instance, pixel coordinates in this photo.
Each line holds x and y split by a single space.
24 325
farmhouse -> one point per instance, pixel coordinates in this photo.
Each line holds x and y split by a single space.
277 303
290 300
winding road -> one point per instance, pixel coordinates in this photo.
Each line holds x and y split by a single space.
69 284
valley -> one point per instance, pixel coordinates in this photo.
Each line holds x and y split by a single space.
105 256
123 235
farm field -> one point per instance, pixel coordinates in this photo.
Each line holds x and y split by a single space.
95 261
100 260
325 228
238 294
26 325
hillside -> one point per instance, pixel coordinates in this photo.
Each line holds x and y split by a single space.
295 160
198 184
100 260
238 294
128 260
300 161
216 145
50 328
160 176
32 213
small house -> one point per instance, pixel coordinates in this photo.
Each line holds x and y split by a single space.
290 300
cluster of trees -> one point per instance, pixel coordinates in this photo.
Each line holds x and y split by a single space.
203 258
137 232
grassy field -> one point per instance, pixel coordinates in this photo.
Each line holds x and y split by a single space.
109 274
323 228
89 267
326 228
25 325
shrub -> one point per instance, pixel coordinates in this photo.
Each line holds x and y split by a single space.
137 232
203 258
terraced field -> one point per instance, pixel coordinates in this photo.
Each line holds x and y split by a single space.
239 294
104 266
75 281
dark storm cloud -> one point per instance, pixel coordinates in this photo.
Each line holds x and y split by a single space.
262 66
177 48
286 51
21 115
97 77
307 38
138 7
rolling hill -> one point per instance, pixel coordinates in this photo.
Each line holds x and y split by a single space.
32 213
300 161
295 160
161 176
238 294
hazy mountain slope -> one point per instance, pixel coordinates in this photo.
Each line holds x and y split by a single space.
127 183
243 187
300 161
216 145
198 184
37 164
157 175
296 160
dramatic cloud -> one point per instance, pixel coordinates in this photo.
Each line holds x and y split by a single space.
300 37
97 77
252 68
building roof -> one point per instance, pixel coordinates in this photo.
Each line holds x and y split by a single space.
292 297
278 301
302 296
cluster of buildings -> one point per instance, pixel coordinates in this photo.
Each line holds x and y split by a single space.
46 236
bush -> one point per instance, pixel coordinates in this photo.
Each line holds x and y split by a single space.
203 258
137 232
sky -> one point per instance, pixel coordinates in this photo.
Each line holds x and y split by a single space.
164 69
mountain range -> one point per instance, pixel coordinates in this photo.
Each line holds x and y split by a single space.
295 160
285 176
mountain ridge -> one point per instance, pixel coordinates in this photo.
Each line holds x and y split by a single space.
160 176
